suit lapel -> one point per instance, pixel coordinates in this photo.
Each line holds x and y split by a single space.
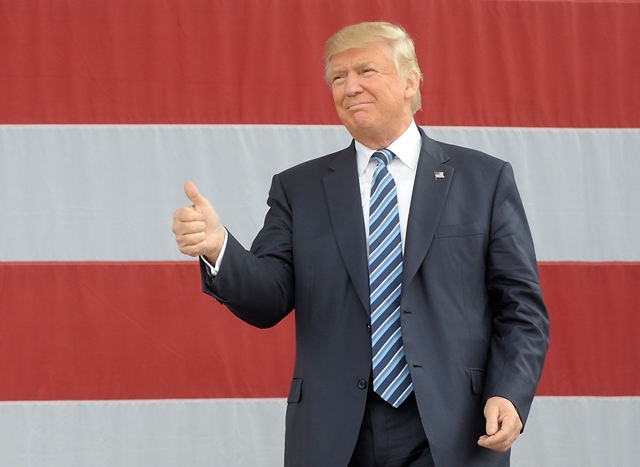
345 211
430 189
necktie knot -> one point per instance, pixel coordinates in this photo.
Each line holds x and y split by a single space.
383 156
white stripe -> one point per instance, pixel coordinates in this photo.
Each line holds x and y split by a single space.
580 432
580 187
561 432
108 192
170 433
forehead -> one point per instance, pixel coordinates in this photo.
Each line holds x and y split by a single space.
378 53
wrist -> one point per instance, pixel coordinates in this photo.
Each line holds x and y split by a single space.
212 254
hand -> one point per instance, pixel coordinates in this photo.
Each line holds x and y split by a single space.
503 424
197 228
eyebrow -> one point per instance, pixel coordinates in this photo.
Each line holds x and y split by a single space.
356 66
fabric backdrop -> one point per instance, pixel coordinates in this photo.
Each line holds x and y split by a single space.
110 355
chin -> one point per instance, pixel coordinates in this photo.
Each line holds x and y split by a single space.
361 122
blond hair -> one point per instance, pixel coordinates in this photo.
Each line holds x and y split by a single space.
363 34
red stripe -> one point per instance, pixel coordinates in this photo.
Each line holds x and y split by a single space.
81 331
87 331
557 64
594 349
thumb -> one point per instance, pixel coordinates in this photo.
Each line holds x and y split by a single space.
193 194
491 414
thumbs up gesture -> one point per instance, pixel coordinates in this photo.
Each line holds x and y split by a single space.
197 228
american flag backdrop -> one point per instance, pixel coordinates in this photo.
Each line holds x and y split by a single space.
110 355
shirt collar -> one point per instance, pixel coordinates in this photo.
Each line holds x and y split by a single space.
406 148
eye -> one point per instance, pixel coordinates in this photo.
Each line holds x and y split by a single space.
337 79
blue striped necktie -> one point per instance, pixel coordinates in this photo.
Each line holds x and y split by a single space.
391 378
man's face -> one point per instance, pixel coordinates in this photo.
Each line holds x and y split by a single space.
372 101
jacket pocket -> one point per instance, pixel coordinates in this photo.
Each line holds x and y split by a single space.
477 380
295 392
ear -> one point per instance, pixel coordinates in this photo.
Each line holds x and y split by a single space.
412 84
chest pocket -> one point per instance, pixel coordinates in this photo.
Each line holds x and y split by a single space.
459 230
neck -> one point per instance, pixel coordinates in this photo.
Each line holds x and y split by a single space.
376 140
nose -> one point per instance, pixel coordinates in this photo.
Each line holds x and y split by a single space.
352 84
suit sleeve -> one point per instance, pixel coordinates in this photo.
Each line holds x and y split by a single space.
258 285
520 336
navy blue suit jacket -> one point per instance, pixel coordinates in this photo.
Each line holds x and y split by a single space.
473 319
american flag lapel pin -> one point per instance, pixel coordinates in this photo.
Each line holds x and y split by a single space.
438 175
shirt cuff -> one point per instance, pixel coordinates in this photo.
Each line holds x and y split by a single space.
214 268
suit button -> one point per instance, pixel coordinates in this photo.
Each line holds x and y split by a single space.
369 327
362 384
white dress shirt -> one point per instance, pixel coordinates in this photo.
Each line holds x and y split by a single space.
402 168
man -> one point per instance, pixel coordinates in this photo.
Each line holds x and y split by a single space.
462 305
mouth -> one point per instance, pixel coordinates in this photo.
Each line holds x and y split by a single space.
356 105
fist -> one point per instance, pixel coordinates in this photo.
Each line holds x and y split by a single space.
503 424
197 227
